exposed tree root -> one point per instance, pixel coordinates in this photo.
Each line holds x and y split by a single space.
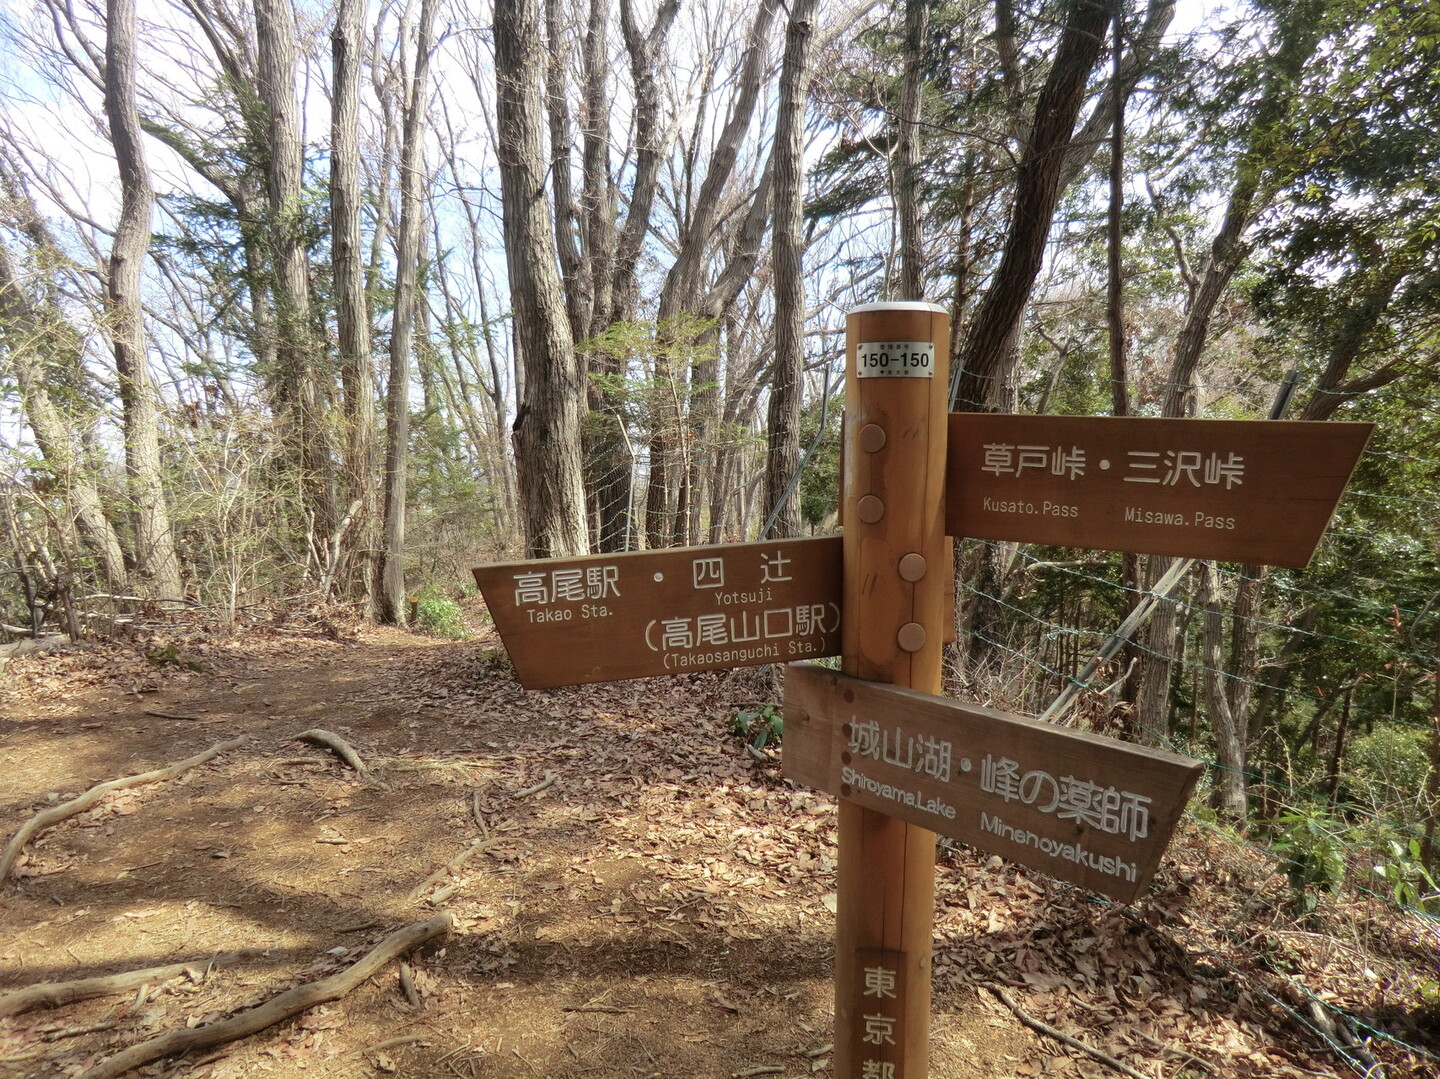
56 994
1059 1035
341 748
548 781
276 1010
53 815
407 986
475 847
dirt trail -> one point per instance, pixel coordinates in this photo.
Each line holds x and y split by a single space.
657 905
637 896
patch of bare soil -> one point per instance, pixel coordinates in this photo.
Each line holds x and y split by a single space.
632 893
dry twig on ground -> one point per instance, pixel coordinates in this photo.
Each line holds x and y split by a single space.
46 817
475 847
276 1010
548 781
1059 1035
56 994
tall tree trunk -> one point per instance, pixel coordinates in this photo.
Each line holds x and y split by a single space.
681 292
1115 316
782 456
985 359
301 396
1152 703
907 185
1229 728
547 427
157 565
1298 34
982 362
352 314
391 584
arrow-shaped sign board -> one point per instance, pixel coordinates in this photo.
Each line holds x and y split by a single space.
1235 490
1081 807
607 617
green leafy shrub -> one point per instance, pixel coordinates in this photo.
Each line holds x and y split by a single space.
1312 856
440 616
1406 879
1386 767
759 727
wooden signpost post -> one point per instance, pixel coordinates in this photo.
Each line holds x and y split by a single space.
904 762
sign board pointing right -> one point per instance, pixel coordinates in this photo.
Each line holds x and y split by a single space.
1091 810
1235 490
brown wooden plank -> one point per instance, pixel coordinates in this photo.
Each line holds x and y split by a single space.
1236 490
608 617
1081 807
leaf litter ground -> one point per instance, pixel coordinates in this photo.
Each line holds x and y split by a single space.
633 893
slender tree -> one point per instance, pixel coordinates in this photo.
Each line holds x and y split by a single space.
352 314
390 587
297 353
157 565
547 424
782 458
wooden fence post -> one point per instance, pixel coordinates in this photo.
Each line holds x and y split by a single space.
897 572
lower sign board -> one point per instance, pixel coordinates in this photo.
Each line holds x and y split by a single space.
607 617
1081 807
1235 490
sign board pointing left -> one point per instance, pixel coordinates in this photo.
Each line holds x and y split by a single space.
1091 810
607 617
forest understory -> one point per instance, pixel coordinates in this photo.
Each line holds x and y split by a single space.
631 892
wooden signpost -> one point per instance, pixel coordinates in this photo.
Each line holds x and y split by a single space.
896 606
904 762
607 617
1235 490
1081 807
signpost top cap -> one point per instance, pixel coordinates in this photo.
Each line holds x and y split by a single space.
898 305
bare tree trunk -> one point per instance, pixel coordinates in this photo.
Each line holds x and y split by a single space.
1297 37
782 456
156 563
1115 315
296 348
681 292
986 356
907 186
391 584
547 427
1153 699
352 315
1229 728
